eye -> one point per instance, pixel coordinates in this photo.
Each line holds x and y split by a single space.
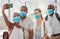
14 16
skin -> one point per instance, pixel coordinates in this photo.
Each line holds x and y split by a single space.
39 21
30 30
8 23
25 10
5 35
51 7
11 25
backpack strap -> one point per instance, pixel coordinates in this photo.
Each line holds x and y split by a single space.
57 16
46 18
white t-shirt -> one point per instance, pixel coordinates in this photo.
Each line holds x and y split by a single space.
54 23
16 33
27 24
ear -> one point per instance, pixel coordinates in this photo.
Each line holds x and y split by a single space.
53 8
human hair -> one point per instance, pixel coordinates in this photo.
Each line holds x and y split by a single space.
51 6
5 35
37 9
25 7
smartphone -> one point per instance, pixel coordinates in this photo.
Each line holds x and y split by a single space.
10 5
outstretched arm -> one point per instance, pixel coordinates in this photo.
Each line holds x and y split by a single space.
5 17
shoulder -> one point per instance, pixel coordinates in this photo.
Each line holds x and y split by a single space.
45 21
46 17
57 16
29 19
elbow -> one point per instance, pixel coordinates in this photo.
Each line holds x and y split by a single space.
31 33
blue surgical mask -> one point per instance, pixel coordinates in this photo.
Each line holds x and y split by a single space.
22 14
50 11
16 19
37 16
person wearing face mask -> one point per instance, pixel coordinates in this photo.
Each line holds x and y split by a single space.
27 23
15 30
43 29
54 21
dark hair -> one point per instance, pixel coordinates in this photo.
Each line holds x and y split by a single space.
16 13
51 6
25 7
38 10
5 33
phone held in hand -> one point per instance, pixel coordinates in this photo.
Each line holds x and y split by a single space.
10 5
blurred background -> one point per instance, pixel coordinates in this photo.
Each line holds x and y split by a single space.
31 4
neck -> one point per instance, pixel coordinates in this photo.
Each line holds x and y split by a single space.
39 22
51 15
39 19
16 24
23 18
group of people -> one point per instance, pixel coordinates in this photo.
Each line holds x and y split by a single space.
24 27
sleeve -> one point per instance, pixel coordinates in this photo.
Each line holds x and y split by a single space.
32 24
48 28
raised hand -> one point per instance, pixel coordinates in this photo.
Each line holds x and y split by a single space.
5 6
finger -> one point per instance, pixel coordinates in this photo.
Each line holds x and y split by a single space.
5 5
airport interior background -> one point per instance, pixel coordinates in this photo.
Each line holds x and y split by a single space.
31 4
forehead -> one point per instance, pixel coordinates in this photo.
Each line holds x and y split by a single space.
23 8
16 14
50 6
36 11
